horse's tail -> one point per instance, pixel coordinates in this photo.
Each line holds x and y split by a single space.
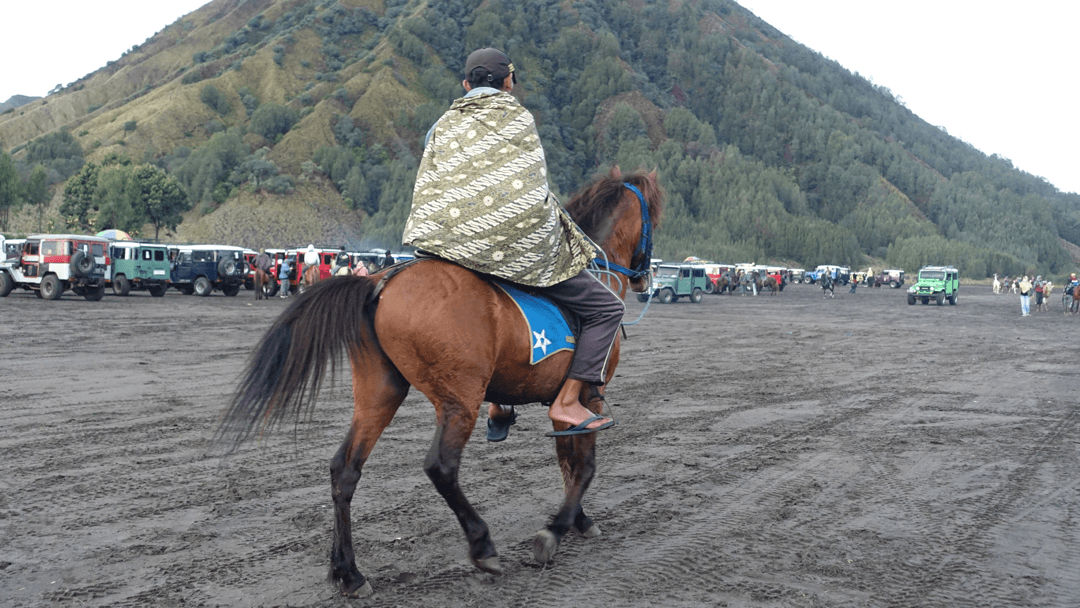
285 372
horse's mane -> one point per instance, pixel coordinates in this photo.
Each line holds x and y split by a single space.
592 205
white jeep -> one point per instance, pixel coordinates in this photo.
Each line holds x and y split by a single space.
49 264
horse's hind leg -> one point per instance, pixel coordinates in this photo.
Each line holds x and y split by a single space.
378 390
457 418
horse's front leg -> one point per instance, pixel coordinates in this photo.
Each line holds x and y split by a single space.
442 464
568 464
577 459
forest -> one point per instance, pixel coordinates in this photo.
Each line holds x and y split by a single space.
767 151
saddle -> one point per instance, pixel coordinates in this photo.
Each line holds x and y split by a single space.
551 327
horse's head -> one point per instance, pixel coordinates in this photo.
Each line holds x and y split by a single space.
619 213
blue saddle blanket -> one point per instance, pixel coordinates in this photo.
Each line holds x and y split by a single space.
549 332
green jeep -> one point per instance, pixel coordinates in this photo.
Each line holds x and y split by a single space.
671 281
137 266
938 283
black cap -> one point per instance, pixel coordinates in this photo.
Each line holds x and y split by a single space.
497 64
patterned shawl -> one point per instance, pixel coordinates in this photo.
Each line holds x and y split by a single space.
481 197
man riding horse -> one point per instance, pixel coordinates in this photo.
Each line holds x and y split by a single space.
482 200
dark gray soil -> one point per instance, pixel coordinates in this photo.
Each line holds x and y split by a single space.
770 451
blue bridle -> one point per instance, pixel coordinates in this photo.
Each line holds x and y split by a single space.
644 246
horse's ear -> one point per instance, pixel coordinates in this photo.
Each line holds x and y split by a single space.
615 172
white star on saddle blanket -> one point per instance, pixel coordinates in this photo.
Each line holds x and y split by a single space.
541 340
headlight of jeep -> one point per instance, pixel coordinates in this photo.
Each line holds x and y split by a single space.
911 289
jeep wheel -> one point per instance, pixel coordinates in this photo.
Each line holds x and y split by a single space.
667 296
695 295
6 284
952 300
203 287
642 297
270 289
710 287
121 286
894 284
94 293
51 288
910 300
157 290
940 299
231 289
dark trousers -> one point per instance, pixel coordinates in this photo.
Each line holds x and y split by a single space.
601 312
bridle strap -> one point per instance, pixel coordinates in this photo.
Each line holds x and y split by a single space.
644 246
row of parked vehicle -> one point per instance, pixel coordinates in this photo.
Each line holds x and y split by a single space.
50 264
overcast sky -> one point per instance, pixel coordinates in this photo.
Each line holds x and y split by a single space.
999 75
48 42
1002 76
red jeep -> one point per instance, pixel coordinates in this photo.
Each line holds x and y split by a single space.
50 264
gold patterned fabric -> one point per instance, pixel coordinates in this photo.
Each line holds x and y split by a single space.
481 197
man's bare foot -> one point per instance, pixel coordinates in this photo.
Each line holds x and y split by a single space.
568 410
496 411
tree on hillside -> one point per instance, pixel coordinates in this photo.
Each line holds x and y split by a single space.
160 198
59 152
272 120
9 187
215 99
37 191
78 206
205 171
115 199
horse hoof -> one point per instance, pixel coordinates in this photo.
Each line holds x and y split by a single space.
364 590
489 564
544 546
592 532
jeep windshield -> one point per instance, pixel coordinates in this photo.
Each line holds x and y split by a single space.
932 275
667 272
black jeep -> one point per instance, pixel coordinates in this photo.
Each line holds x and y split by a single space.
200 269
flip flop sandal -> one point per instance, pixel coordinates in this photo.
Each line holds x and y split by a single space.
499 428
582 428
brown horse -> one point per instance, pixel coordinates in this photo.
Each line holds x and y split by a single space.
769 282
1074 306
726 283
262 283
473 358
310 277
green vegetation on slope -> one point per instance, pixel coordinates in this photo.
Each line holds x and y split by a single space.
316 110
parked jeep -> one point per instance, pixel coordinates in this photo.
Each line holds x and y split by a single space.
839 274
200 269
938 283
10 249
49 264
672 281
893 277
138 266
